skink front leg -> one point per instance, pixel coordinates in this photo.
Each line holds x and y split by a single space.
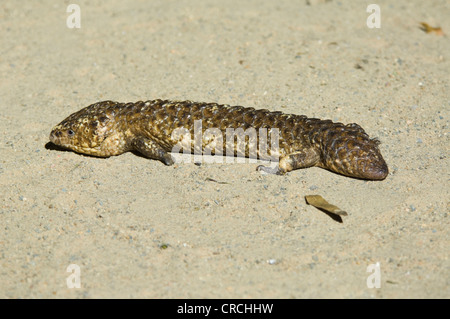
151 149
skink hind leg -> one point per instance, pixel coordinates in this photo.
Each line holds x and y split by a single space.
151 149
290 162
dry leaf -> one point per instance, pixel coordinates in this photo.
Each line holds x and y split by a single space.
428 29
320 203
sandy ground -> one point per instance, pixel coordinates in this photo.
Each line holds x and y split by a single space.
136 228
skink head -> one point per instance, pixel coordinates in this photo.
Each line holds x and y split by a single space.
354 154
90 131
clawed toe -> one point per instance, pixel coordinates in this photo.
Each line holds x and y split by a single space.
269 170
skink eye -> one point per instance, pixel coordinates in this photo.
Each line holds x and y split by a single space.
70 133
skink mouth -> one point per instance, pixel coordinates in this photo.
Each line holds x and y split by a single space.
376 171
54 137
58 138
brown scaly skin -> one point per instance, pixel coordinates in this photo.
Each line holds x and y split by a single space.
110 128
